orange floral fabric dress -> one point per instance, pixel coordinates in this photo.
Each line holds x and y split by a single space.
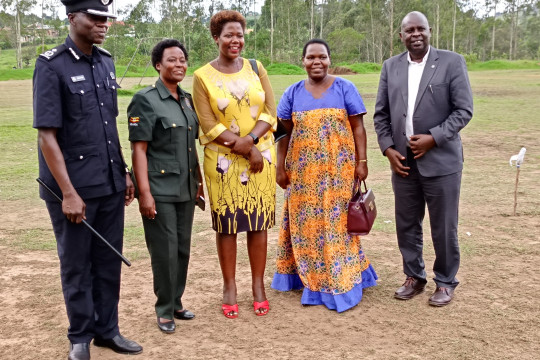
315 252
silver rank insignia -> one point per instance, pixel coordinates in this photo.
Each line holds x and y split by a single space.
74 54
78 78
112 75
48 54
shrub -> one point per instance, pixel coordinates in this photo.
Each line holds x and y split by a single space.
284 69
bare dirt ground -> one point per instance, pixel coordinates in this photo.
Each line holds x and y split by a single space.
495 314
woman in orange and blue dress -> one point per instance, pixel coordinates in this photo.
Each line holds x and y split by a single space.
317 164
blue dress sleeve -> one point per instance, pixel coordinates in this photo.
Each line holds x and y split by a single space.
353 101
284 109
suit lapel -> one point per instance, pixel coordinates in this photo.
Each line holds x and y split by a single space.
429 70
402 74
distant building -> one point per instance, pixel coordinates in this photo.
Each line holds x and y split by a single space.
35 31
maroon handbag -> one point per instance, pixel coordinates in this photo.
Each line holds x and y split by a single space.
361 210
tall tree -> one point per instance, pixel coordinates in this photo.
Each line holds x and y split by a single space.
391 26
271 31
495 2
312 22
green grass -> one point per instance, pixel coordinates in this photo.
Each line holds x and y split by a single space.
505 116
363 68
130 92
30 239
499 257
504 65
18 168
16 74
7 59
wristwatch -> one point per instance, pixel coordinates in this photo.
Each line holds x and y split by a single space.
255 138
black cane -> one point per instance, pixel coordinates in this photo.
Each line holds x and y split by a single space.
126 261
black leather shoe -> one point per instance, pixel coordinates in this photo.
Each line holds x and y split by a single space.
167 327
184 315
79 352
410 288
119 344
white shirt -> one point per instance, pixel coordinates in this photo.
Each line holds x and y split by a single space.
415 74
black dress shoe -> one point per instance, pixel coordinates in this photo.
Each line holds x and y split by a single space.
167 327
410 288
119 344
184 315
79 352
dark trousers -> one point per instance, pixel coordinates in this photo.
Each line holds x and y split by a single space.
168 238
441 194
89 270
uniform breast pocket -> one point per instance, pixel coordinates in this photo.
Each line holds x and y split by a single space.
164 177
85 166
174 130
81 98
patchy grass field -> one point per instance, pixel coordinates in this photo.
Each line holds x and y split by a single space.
496 313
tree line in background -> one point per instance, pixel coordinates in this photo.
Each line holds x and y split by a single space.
357 30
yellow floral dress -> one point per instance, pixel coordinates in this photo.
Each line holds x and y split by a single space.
239 200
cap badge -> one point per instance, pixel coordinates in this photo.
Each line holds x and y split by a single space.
106 2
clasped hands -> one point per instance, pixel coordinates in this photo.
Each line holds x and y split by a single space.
420 145
244 146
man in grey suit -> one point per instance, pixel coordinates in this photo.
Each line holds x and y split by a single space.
424 100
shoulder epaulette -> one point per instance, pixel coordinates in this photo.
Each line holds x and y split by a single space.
103 51
49 54
148 89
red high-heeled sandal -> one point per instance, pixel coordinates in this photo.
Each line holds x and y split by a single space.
230 311
258 306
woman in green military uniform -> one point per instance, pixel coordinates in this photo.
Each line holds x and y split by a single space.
163 128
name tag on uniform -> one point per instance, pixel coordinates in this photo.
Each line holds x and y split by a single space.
77 78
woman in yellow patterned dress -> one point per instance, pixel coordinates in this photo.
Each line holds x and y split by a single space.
317 165
236 110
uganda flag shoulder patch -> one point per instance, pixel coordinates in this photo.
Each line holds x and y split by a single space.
134 121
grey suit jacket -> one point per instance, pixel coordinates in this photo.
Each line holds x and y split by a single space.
444 105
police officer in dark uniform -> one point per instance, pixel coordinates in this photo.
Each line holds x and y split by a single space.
75 109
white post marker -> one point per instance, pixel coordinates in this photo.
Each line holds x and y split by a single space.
517 160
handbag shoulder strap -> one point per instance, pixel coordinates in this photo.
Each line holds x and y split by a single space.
254 66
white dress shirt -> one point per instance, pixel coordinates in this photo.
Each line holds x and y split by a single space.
415 74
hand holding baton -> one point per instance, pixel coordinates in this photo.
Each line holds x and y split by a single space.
126 261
